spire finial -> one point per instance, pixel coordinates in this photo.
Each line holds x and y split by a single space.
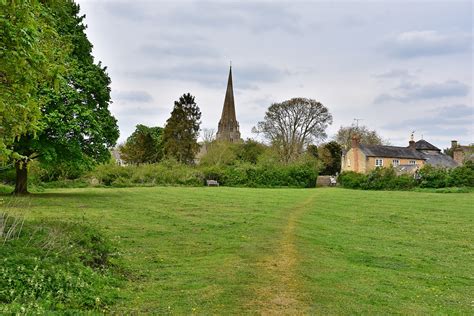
230 63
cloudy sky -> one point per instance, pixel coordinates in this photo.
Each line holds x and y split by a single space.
399 66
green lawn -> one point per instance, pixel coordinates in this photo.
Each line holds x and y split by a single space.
232 251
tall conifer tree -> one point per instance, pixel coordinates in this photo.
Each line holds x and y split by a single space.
182 130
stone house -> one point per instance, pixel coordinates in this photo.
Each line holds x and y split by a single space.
461 154
364 158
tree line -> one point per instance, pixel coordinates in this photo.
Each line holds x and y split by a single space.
54 106
291 130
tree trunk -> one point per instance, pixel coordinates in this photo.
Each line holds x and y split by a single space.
21 183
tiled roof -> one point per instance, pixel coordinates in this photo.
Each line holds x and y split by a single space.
390 152
440 160
424 145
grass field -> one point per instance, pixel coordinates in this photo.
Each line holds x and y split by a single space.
294 251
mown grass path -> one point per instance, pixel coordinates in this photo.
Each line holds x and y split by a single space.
279 251
284 295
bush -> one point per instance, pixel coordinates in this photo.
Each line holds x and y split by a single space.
461 177
244 174
56 266
250 175
430 177
352 180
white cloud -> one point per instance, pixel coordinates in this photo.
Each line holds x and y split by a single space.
132 96
427 43
409 92
327 51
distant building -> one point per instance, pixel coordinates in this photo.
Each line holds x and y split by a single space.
364 158
115 152
228 129
461 154
434 156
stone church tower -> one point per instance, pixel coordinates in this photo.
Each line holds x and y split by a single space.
228 129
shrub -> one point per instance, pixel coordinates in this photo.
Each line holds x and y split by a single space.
352 180
56 266
461 177
387 179
404 182
380 178
432 177
219 153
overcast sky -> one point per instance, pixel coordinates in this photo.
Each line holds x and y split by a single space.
399 66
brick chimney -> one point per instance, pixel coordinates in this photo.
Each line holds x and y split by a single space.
355 151
411 143
454 144
355 141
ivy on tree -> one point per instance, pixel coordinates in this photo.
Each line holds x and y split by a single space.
182 130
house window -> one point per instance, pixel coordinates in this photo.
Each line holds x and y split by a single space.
412 162
395 162
378 162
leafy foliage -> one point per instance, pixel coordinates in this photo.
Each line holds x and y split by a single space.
377 179
143 146
167 172
462 176
302 173
219 153
294 124
182 130
250 151
32 56
56 266
370 137
76 124
431 177
330 155
227 153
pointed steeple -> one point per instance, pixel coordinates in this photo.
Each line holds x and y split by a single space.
228 126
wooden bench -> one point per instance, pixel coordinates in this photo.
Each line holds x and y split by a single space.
212 183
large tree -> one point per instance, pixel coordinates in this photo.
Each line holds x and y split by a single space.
75 123
182 130
294 124
330 155
32 56
370 137
143 146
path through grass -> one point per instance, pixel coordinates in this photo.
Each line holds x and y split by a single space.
281 251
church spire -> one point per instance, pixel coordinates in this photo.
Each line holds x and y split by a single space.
228 126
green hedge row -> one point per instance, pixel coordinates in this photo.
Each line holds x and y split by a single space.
171 173
429 177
